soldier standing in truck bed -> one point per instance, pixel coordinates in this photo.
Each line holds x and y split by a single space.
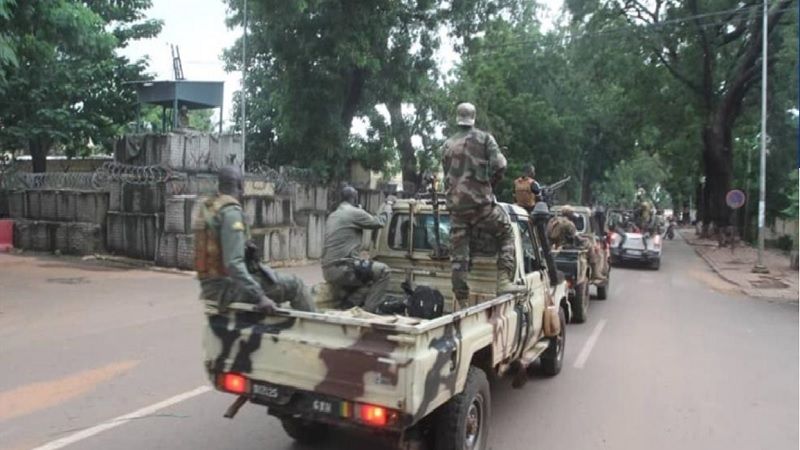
221 237
472 165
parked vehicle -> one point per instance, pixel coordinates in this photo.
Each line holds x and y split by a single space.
405 378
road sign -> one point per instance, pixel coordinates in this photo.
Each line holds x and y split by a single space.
735 198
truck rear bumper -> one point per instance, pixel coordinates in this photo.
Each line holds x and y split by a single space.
628 255
285 401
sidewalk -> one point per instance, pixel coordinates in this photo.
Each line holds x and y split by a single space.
736 268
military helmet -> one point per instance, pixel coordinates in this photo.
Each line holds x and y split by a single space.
567 210
465 114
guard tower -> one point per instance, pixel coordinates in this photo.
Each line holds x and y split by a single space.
174 95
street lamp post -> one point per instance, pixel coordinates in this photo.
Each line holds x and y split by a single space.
243 95
762 182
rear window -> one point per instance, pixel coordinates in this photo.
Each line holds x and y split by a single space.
580 222
424 236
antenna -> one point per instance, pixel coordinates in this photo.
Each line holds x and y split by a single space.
177 66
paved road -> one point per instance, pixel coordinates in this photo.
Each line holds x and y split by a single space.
96 356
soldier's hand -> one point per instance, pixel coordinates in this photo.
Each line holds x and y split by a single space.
266 305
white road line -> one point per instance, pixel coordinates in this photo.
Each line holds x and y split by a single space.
580 361
121 420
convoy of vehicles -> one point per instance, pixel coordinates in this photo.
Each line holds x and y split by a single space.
413 381
406 378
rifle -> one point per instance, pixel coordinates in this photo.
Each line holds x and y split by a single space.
439 251
548 191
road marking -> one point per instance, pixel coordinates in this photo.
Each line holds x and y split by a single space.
580 361
121 420
34 397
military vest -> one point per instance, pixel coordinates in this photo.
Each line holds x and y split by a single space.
523 195
208 260
469 181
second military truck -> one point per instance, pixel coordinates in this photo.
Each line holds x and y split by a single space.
407 379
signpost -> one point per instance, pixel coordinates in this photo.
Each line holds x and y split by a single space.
735 199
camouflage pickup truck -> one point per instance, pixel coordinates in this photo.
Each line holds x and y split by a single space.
412 381
574 263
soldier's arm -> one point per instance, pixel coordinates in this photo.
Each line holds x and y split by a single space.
536 188
233 238
366 220
445 160
497 162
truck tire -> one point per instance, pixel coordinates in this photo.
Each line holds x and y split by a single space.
553 358
655 264
304 431
580 303
463 422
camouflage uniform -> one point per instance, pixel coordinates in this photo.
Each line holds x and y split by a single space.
356 281
472 161
644 215
220 236
561 231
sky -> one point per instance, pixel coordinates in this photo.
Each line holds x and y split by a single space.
198 28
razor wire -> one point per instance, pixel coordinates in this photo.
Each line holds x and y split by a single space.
126 173
283 178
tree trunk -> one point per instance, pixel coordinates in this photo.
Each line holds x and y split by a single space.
718 168
408 156
39 148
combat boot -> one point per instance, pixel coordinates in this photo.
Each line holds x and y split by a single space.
506 286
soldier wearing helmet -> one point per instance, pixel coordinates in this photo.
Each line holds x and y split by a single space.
222 248
527 189
561 229
643 212
473 165
356 281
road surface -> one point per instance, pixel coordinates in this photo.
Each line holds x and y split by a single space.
97 357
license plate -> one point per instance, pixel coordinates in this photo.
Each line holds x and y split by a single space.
634 252
266 391
325 407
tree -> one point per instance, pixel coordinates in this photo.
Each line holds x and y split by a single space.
620 184
317 65
713 50
68 85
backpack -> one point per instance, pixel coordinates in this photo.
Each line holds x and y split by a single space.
425 303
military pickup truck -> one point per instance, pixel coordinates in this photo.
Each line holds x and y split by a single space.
412 381
573 261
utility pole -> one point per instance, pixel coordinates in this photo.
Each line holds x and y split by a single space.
243 96
762 182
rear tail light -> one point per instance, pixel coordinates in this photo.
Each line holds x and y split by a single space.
374 415
233 382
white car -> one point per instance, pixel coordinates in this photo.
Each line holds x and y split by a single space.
632 246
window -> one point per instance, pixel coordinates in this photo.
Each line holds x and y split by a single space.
528 250
580 222
424 237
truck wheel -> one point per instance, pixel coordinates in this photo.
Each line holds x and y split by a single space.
602 291
655 264
580 303
553 358
304 431
463 423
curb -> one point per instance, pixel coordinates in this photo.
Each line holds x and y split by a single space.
718 271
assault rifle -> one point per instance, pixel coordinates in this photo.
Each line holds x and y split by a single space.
439 251
547 192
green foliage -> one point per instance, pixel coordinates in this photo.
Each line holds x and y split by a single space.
619 185
67 87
